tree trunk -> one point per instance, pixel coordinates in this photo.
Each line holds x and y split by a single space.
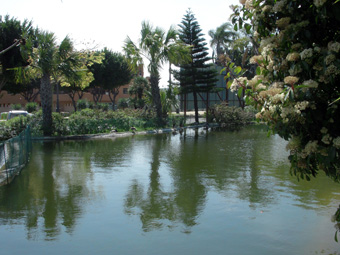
46 104
113 95
195 106
72 95
207 108
154 80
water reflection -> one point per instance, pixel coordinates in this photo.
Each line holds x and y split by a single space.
158 208
53 189
166 182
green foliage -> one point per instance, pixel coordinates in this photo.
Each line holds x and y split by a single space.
16 106
221 39
297 83
123 103
113 72
137 91
197 75
31 107
82 104
227 115
12 127
103 106
157 47
11 30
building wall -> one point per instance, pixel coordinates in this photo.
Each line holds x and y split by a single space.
65 102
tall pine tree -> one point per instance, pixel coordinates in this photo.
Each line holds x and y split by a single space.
198 76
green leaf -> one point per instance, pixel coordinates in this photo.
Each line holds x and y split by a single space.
239 92
336 236
222 70
229 84
247 27
238 70
258 70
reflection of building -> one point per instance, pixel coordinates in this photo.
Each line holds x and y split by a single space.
65 102
224 95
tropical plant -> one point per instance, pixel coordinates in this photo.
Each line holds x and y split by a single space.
157 47
12 34
221 39
123 103
137 90
51 62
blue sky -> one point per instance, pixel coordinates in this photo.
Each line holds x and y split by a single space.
105 23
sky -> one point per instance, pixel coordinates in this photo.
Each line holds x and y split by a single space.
105 23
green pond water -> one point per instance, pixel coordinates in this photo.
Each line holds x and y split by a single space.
199 192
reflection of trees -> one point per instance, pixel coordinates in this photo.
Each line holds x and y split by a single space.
227 160
52 189
158 208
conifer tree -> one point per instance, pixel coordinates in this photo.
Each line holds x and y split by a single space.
197 76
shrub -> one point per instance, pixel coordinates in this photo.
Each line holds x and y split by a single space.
31 107
13 127
123 103
16 106
230 115
81 104
103 106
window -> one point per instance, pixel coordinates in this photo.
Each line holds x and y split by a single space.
125 91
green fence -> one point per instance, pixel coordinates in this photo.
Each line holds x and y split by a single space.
14 154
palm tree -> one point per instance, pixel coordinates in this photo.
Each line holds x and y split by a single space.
221 38
157 47
51 61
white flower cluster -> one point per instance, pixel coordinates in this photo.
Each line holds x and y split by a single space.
301 106
278 98
336 142
291 80
334 46
311 147
249 4
236 83
307 53
283 22
311 84
279 5
319 3
294 56
291 60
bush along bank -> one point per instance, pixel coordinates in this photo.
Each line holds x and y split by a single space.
93 122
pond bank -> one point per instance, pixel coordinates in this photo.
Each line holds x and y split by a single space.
124 134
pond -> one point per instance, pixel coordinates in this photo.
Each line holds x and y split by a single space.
198 192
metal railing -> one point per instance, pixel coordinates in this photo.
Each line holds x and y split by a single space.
14 155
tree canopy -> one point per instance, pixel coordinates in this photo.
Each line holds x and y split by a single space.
113 72
157 46
12 33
